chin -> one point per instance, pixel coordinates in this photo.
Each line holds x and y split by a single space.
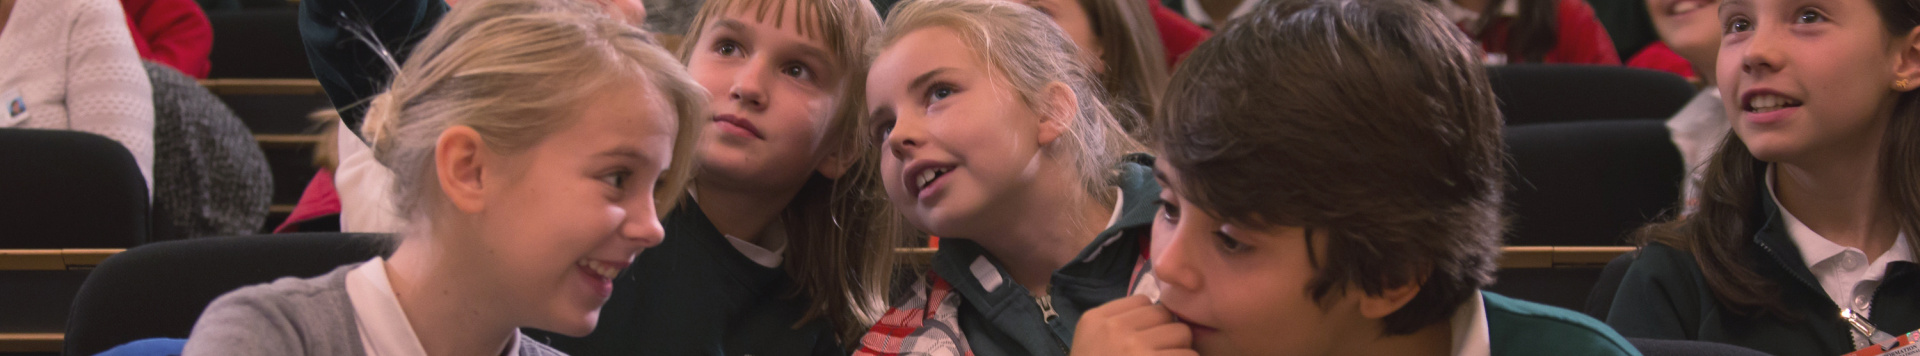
576 325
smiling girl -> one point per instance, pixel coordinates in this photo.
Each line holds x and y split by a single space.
994 137
533 143
1799 246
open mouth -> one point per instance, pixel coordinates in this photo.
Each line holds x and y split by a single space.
606 270
1764 103
1685 6
925 177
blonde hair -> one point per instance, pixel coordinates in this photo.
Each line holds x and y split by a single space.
515 71
834 256
1030 52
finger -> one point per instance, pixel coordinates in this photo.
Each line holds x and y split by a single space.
1144 316
1116 307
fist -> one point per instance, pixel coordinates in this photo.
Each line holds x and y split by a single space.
1131 326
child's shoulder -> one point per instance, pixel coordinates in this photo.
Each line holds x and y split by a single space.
287 316
1519 327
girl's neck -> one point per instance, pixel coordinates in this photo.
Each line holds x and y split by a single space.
742 213
1044 230
445 313
1840 197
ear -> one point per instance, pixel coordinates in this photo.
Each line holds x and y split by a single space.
456 160
1389 300
836 164
1064 104
1906 61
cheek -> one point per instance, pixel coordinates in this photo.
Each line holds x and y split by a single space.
715 77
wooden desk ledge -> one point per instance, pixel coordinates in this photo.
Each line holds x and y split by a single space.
31 342
1511 256
262 86
54 259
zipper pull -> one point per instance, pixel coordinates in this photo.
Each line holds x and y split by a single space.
1046 307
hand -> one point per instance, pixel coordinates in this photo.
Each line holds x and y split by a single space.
1131 326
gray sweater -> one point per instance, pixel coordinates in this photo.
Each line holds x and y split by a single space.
292 316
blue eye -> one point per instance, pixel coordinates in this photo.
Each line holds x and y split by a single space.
938 92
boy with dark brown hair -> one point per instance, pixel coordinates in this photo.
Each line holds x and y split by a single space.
1344 200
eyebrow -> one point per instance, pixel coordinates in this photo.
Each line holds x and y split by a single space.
1724 4
921 81
729 24
625 152
1162 176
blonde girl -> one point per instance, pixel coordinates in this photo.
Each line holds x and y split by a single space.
994 137
533 145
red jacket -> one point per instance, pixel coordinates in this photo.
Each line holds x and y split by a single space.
1582 39
172 32
1657 56
1176 33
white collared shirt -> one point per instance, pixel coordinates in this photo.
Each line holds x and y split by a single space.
1470 335
1199 15
774 234
384 329
1845 273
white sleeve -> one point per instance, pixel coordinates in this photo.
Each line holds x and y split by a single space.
365 187
108 92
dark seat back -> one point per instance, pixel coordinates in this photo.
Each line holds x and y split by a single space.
159 290
69 189
1589 183
257 43
1548 93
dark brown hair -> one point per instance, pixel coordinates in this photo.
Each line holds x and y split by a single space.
834 259
1719 233
1370 120
1136 61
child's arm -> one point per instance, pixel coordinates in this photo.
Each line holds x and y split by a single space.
347 66
1131 326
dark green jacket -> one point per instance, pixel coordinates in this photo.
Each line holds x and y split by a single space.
1518 327
1007 321
1665 296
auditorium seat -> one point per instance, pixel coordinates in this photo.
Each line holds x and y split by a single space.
1589 183
159 290
1549 93
69 189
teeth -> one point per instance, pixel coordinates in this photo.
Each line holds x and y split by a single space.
600 268
1684 6
1766 103
927 176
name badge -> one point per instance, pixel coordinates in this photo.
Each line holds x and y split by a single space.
1898 346
16 108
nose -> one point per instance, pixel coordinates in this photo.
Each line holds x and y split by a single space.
1174 265
642 225
749 87
908 133
1763 53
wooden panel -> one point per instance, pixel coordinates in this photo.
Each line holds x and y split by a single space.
1526 257
253 86
47 342
294 140
53 259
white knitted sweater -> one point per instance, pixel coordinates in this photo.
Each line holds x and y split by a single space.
74 64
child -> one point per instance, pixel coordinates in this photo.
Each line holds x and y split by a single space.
1345 202
771 255
1800 242
1533 31
1119 42
995 138
532 143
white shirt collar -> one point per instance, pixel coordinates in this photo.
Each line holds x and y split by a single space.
775 234
1843 272
1470 336
1200 17
383 326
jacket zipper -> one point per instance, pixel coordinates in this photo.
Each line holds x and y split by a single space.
1846 327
